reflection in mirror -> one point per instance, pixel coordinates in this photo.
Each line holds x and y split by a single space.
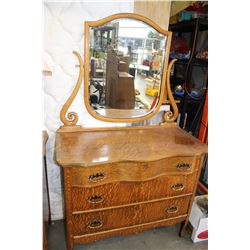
126 65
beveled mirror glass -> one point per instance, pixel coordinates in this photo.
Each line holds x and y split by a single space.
125 66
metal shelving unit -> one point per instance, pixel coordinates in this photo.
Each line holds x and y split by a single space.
193 27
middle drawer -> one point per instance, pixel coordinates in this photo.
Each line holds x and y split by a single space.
120 193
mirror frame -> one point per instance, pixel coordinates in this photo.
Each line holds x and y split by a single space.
90 24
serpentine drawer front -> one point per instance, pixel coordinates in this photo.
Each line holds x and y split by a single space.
102 220
132 171
116 193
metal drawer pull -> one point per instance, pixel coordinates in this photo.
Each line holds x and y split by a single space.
184 165
177 187
95 224
96 177
95 198
172 209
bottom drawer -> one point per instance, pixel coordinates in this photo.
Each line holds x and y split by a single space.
97 221
88 238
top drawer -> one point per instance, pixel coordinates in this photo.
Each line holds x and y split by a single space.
132 171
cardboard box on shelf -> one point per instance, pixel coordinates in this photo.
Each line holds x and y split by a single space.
199 218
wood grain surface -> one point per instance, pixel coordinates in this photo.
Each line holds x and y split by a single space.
68 205
124 180
88 238
131 171
116 193
89 148
131 215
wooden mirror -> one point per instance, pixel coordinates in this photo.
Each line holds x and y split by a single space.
125 65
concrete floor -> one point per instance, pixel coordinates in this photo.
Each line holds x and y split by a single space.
155 239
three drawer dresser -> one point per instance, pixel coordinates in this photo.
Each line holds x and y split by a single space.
124 181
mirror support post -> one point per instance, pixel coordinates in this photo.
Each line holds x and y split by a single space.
170 116
72 118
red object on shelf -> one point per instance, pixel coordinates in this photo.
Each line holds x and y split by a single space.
198 7
179 44
146 63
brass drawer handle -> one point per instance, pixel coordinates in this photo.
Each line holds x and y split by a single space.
95 224
95 198
172 209
177 187
97 177
184 166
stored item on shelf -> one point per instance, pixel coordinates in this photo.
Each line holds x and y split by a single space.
181 56
202 55
199 218
179 93
195 94
185 15
196 7
179 48
179 45
146 63
179 90
189 15
179 87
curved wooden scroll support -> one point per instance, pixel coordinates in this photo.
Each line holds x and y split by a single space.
170 116
72 118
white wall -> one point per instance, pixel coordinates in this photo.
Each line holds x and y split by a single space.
63 33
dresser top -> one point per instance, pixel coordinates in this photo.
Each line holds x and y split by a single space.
93 147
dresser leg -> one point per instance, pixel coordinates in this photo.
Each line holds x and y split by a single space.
70 245
182 229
